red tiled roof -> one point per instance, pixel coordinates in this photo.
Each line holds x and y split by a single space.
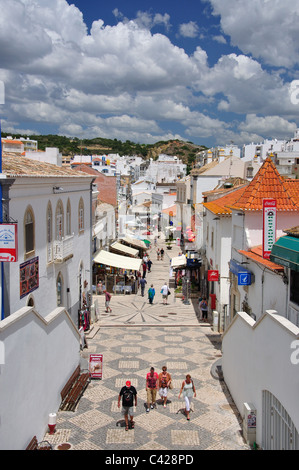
256 254
221 206
268 183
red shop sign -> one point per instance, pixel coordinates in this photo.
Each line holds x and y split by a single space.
213 275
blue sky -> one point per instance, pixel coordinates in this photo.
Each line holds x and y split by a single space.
211 71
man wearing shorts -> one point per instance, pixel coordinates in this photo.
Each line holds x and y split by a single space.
128 393
151 387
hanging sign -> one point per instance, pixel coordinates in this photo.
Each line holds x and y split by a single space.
96 366
213 275
9 242
269 226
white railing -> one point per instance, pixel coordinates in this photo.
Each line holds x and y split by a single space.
63 249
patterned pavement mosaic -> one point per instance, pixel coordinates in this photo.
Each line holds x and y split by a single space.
132 338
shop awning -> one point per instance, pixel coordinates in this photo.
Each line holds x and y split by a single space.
178 262
133 241
126 250
117 261
286 252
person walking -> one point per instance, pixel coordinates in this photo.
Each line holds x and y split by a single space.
151 387
164 382
142 285
204 309
144 268
128 393
158 254
165 293
149 265
107 301
151 294
189 392
162 254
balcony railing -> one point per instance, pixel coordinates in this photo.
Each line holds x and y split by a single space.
62 249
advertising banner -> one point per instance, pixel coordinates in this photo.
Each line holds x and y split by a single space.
96 366
269 226
29 277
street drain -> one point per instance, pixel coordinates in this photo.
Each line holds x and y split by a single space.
171 313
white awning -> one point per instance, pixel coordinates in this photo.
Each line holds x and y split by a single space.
117 261
178 261
134 242
125 249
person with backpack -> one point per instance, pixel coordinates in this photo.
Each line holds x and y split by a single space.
204 309
128 393
189 392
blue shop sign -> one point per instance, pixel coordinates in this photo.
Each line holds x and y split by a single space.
244 275
244 279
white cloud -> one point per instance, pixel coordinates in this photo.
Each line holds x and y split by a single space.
189 30
268 126
125 82
266 29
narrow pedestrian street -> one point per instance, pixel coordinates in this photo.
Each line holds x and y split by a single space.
132 338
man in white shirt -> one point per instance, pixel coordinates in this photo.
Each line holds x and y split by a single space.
165 293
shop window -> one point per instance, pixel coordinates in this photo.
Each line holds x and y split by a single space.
59 284
294 287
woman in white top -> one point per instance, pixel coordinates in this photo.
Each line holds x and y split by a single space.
189 392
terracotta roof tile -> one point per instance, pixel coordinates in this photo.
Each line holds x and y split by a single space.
221 205
14 165
256 254
268 183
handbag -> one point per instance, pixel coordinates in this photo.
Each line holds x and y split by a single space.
170 386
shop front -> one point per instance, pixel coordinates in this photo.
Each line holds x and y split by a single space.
116 273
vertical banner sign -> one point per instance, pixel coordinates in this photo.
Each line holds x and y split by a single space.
29 277
269 226
96 366
9 242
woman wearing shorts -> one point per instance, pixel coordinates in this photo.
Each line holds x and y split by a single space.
164 382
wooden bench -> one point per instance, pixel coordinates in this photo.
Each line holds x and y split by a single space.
35 445
74 389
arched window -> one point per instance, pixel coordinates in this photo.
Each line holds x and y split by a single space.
29 232
68 218
59 290
59 222
81 215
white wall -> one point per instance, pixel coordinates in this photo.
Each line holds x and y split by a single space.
257 357
37 193
36 366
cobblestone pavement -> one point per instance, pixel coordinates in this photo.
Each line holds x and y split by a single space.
134 337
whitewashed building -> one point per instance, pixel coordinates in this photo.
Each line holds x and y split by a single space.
43 291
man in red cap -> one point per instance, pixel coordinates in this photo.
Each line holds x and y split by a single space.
128 393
